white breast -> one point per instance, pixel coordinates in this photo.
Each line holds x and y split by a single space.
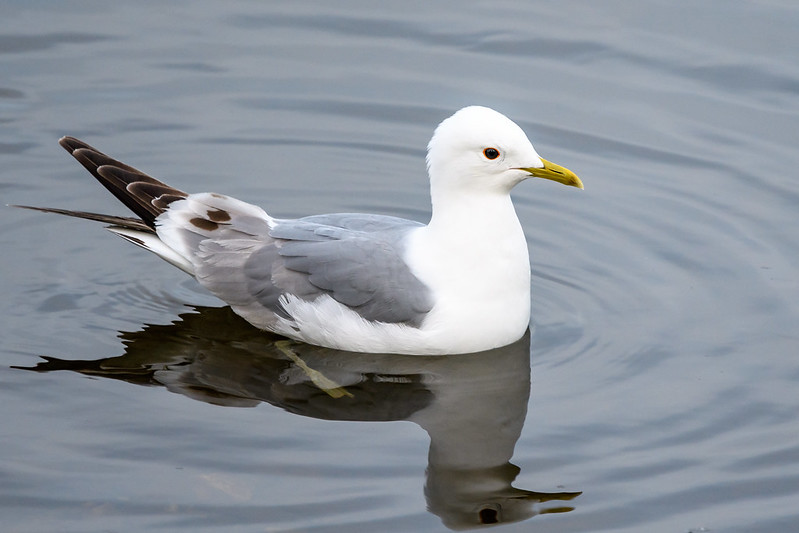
481 283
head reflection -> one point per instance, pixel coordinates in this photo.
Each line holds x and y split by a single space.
472 406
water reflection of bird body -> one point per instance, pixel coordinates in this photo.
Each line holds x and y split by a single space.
472 406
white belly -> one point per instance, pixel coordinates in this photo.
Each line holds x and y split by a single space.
481 295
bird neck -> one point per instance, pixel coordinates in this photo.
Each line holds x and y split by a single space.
472 213
474 254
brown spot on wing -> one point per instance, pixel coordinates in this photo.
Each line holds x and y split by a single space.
204 224
218 215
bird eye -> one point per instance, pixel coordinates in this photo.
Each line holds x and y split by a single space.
491 153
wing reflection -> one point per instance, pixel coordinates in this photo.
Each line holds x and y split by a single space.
472 406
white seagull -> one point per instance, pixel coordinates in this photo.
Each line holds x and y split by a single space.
358 282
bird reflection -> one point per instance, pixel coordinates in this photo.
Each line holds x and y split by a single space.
472 406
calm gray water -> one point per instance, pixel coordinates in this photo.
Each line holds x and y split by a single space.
657 391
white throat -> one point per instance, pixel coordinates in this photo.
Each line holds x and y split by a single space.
474 253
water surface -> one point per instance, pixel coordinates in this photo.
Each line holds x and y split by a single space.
657 390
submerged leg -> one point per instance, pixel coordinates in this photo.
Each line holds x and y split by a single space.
333 389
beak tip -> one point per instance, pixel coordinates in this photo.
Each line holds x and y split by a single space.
554 172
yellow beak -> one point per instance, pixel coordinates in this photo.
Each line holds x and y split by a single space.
554 172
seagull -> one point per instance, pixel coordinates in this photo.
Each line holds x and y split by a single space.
357 282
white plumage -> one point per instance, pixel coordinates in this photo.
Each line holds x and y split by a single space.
366 283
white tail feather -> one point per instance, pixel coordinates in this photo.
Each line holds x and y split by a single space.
152 243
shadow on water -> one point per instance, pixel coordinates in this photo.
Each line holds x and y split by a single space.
472 406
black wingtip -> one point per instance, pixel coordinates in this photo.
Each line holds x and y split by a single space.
123 180
124 222
70 144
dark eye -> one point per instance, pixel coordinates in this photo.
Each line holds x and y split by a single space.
491 153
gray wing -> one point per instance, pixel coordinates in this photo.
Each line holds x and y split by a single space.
250 261
356 259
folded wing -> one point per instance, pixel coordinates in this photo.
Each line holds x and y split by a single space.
253 261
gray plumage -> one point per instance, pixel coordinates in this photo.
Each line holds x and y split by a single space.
254 261
357 259
364 283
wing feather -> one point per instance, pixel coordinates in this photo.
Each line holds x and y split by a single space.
252 261
249 259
